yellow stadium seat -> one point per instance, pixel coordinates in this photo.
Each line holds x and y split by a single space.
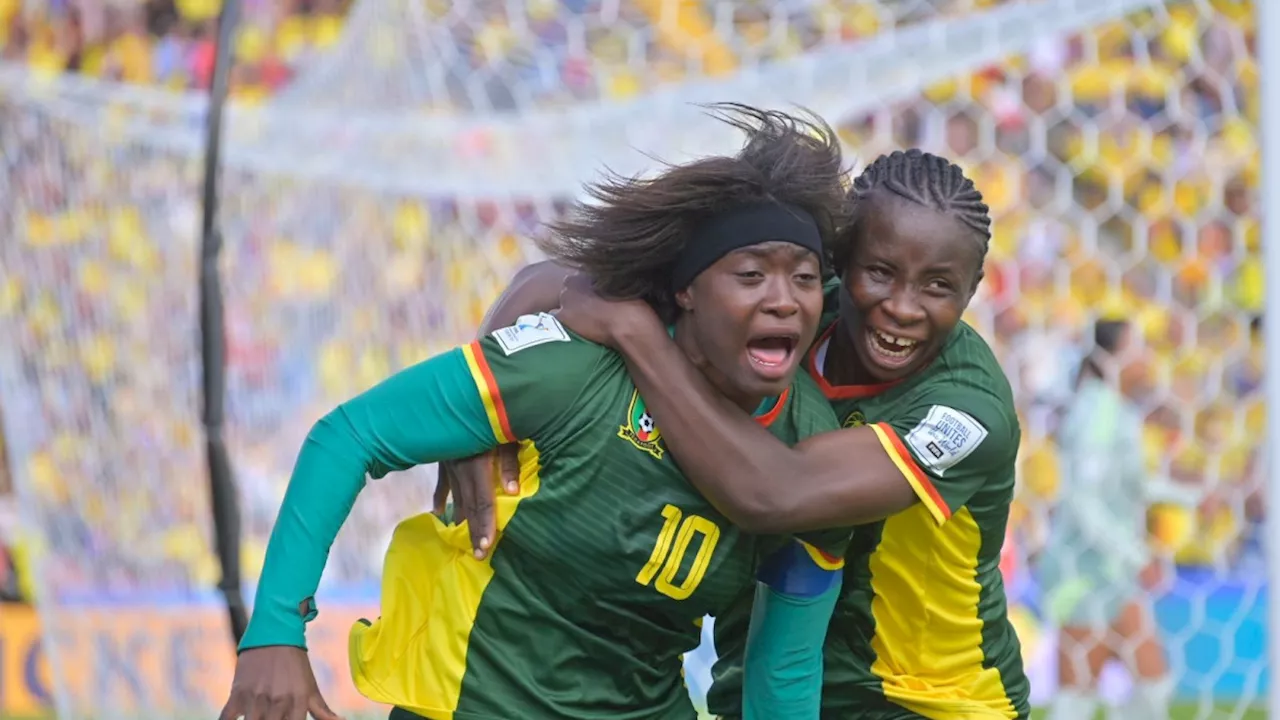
291 37
198 10
133 53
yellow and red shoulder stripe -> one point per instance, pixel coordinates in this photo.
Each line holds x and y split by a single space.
920 482
822 559
490 395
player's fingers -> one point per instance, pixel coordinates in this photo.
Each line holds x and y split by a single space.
280 708
464 507
320 709
232 710
255 708
509 468
298 709
440 498
481 500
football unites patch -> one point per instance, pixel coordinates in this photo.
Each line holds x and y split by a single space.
530 331
945 437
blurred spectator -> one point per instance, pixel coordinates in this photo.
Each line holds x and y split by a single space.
1097 554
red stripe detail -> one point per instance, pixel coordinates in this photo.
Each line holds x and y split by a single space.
767 419
833 559
839 392
494 393
921 477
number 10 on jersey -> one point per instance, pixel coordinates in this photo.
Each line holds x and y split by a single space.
673 543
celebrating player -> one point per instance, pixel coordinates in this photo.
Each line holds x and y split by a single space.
606 559
924 463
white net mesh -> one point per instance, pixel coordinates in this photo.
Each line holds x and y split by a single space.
372 215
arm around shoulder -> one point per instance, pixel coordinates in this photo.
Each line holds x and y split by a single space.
534 289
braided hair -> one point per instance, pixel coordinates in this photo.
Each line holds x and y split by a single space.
922 178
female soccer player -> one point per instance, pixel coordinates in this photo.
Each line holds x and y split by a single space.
924 462
1097 552
573 615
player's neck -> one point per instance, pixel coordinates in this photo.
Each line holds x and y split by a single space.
843 365
687 341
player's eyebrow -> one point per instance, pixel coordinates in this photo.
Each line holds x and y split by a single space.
771 248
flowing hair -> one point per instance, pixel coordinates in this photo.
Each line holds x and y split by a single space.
630 238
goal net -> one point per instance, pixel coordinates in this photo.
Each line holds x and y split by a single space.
376 206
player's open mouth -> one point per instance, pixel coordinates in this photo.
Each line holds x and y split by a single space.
771 356
891 351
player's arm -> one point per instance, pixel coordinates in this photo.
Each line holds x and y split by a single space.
798 588
534 289
454 405
848 477
837 478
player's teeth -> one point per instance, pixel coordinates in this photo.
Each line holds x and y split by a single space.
897 342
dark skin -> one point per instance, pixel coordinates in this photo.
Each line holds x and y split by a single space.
911 275
750 296
745 281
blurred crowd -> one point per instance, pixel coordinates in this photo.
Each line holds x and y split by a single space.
169 43
1121 166
486 54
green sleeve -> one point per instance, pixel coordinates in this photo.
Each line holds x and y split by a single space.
452 406
782 663
813 415
784 655
956 439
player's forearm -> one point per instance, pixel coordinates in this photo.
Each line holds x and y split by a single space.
722 450
785 646
327 478
831 480
534 289
427 413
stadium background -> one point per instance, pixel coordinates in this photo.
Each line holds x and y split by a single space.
1120 159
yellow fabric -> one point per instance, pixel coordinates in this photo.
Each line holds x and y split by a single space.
415 655
922 575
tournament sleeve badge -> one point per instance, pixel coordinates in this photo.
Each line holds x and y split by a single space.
530 331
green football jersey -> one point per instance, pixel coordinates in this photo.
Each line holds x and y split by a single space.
922 620
605 563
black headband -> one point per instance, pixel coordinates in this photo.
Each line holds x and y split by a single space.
741 227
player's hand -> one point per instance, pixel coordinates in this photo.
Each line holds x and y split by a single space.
473 483
601 320
275 683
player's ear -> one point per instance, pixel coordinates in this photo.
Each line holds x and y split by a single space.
684 299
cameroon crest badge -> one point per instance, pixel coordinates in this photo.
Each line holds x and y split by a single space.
640 429
855 419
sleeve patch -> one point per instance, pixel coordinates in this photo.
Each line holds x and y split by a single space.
945 437
530 331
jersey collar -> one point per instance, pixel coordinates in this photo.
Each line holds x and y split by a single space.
817 361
